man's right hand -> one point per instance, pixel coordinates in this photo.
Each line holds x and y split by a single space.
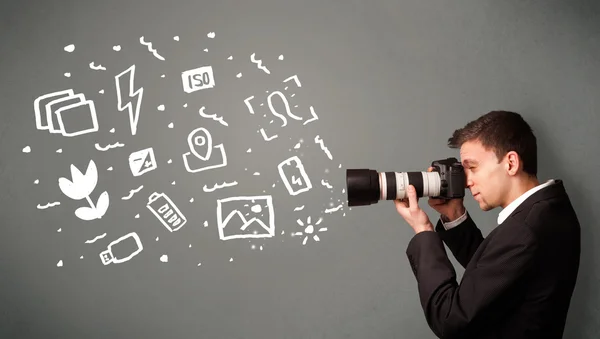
450 209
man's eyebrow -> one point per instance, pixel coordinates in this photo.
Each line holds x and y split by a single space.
468 162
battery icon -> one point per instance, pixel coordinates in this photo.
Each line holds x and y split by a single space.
165 210
294 176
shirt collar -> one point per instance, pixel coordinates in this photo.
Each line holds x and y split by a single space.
515 203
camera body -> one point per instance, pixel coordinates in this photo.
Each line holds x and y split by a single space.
452 178
446 181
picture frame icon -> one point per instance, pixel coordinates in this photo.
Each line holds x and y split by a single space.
248 220
142 161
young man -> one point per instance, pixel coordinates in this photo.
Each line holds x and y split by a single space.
518 281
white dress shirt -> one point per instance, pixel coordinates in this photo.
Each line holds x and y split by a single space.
506 211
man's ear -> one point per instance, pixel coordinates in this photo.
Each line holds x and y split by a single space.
512 163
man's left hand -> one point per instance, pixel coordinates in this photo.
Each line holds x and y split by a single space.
409 209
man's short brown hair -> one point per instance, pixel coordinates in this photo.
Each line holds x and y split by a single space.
502 132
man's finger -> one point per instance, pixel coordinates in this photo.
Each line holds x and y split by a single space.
433 201
412 198
400 203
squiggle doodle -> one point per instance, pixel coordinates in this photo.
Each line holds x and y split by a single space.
212 116
319 141
216 186
96 238
97 68
299 208
335 209
149 44
326 184
132 192
50 204
109 146
259 64
262 131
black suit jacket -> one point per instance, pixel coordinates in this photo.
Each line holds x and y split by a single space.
517 282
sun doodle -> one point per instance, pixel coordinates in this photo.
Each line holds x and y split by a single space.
309 229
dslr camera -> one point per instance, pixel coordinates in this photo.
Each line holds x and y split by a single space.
366 186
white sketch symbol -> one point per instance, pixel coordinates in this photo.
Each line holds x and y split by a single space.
201 147
217 186
264 135
296 174
319 141
197 79
142 161
150 49
97 68
212 116
295 78
107 147
287 108
313 116
48 205
165 210
259 64
66 113
261 220
248 104
309 229
129 97
108 256
81 186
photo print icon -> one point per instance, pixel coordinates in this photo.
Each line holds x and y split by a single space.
66 113
248 217
142 161
201 156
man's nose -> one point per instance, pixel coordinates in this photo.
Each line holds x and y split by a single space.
468 181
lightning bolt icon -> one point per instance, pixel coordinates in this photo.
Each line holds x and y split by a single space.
130 98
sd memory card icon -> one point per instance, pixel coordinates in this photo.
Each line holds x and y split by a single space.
142 161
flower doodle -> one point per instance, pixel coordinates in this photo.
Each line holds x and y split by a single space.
81 186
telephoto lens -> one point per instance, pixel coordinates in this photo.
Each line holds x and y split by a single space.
367 186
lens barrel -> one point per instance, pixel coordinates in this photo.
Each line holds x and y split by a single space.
367 186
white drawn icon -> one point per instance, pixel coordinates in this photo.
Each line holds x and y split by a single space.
109 256
309 229
201 147
81 186
128 97
319 141
165 210
294 176
287 108
66 113
257 222
198 78
259 64
142 161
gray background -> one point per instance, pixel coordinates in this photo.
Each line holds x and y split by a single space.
390 81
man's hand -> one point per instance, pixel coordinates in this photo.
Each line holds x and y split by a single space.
409 209
449 209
